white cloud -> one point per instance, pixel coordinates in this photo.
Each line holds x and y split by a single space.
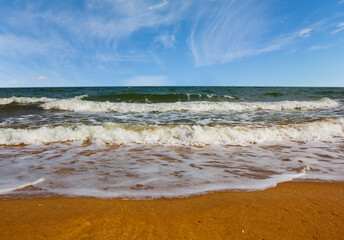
116 19
225 31
146 81
13 46
109 22
43 77
166 40
130 56
228 30
306 32
222 31
160 5
341 2
16 82
340 27
319 47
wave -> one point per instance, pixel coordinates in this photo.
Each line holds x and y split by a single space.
78 105
273 94
25 100
155 98
319 130
182 192
28 100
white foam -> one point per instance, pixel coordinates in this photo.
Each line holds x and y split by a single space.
181 192
23 185
320 130
25 100
78 105
140 171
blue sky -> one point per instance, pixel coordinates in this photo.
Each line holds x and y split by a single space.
165 42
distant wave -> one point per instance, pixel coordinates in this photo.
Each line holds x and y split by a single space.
320 130
28 100
78 105
154 98
25 100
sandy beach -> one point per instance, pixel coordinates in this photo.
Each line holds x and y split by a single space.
295 210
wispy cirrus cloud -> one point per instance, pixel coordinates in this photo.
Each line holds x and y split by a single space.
319 47
115 19
105 22
235 29
159 5
166 40
340 27
12 45
222 31
36 39
306 32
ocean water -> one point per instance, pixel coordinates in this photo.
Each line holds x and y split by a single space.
151 142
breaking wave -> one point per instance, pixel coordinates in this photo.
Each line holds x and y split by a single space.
25 100
78 105
320 130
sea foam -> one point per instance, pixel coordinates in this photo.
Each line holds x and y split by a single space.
320 130
25 100
10 186
78 105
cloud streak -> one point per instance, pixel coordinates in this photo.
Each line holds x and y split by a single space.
166 40
160 5
306 32
235 29
116 19
319 47
43 78
103 22
340 27
14 45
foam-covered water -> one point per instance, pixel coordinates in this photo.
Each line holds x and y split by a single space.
167 142
78 105
182 135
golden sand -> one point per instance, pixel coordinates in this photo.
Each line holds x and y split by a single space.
290 211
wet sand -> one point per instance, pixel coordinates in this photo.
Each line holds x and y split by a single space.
296 210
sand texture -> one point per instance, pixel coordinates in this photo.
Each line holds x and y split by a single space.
290 211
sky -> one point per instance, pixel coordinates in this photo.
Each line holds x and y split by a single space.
171 42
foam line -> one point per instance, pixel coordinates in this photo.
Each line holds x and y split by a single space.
320 130
78 105
6 190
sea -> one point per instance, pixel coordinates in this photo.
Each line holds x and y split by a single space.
166 142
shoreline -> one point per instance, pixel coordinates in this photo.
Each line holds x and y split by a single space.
291 210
